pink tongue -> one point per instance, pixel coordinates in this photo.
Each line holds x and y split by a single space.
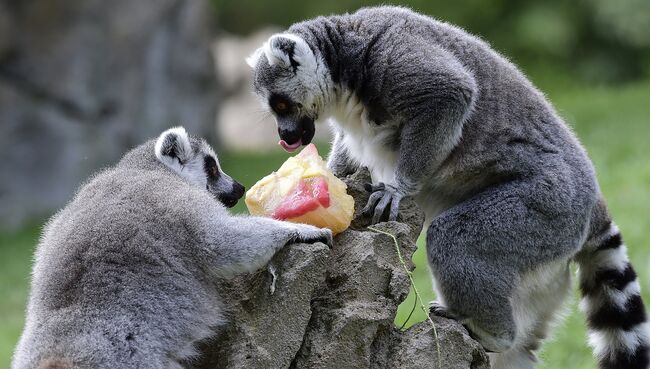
290 148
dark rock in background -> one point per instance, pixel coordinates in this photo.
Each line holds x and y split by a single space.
83 81
335 308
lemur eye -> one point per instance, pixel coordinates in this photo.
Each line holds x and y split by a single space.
210 166
280 104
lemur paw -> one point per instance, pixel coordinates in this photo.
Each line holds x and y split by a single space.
310 234
383 203
491 342
438 309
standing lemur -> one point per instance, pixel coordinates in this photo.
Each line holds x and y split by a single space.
124 275
509 192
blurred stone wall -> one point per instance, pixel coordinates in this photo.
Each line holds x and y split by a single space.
83 81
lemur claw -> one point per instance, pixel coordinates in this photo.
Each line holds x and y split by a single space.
383 197
438 309
373 188
311 234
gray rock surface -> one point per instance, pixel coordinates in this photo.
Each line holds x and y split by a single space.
267 327
416 348
335 309
82 81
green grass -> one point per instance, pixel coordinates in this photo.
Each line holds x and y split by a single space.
613 125
16 250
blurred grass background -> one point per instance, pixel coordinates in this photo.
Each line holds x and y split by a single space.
588 40
591 58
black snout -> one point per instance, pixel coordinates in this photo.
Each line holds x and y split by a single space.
294 130
308 130
289 131
230 199
238 190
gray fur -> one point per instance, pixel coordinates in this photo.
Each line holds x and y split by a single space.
124 275
436 114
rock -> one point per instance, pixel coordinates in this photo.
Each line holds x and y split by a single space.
364 285
339 312
268 324
416 348
82 82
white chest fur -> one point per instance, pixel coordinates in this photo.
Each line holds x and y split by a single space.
364 140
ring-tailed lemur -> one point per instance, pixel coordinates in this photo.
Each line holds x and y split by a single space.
509 192
124 274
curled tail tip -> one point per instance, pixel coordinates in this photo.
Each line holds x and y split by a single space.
619 330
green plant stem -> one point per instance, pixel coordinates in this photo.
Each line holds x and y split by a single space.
417 293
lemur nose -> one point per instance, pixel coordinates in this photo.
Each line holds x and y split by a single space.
290 136
238 190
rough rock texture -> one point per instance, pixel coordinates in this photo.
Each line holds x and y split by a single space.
335 309
254 339
82 81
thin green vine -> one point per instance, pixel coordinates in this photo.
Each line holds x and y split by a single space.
417 293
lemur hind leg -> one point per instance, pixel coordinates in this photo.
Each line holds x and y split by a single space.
483 248
538 297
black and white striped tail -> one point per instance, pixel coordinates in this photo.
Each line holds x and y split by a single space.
618 326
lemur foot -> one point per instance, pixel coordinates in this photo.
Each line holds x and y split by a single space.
492 343
438 309
310 234
383 197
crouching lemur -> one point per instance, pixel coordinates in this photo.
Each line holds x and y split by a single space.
124 274
510 195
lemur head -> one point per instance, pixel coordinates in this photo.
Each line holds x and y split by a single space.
295 85
193 159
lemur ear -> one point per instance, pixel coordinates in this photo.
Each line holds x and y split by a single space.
253 58
173 146
288 50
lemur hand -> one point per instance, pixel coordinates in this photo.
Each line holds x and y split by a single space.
310 234
438 309
383 197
